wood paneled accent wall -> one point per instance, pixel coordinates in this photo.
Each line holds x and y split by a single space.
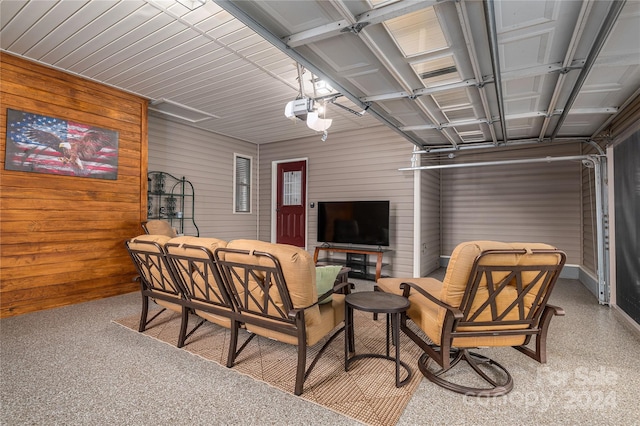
62 237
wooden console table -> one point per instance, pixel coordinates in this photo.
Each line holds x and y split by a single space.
378 253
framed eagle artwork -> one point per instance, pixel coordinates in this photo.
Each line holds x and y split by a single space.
42 144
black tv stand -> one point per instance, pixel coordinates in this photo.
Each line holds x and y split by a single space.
357 260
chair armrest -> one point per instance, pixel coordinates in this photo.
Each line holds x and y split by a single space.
321 298
342 288
407 286
557 310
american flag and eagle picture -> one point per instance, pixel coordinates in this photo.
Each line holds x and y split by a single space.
41 144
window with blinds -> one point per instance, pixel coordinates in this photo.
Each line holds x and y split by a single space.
241 183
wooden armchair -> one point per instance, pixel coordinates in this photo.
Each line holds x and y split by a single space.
156 281
273 289
493 294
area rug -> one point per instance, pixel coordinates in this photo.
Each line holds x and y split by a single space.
366 392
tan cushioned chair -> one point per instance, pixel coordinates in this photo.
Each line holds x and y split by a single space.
493 294
194 266
274 290
156 281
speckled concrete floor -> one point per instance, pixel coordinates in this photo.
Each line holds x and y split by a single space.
73 366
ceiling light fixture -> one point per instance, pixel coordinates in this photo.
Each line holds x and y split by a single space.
321 87
306 109
192 4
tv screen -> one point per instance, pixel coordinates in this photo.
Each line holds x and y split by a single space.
354 222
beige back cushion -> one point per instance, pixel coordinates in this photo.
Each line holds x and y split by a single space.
463 256
203 270
159 239
298 270
160 227
459 268
209 243
155 238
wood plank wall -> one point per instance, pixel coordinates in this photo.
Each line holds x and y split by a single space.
62 237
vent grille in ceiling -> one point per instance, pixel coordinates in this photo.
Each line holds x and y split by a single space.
175 109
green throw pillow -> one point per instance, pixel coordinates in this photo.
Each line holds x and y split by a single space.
325 278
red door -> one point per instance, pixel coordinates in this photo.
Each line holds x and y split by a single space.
291 202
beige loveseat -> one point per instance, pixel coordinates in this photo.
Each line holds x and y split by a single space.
269 289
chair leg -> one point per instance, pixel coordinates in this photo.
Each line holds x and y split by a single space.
232 357
302 361
352 339
144 321
184 321
233 343
143 316
540 354
496 387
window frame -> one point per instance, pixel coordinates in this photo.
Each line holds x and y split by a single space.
237 185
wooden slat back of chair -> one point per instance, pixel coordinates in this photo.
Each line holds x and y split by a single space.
258 288
148 255
195 269
508 299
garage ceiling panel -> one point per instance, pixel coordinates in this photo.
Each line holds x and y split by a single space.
420 64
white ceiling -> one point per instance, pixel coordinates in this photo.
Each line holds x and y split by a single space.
423 68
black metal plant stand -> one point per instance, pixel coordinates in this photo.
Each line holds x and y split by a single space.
172 199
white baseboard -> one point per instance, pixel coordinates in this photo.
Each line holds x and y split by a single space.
589 281
625 319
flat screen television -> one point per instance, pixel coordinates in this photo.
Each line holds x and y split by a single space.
354 222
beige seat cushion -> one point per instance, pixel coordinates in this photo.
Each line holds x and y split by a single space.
300 276
331 314
421 311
